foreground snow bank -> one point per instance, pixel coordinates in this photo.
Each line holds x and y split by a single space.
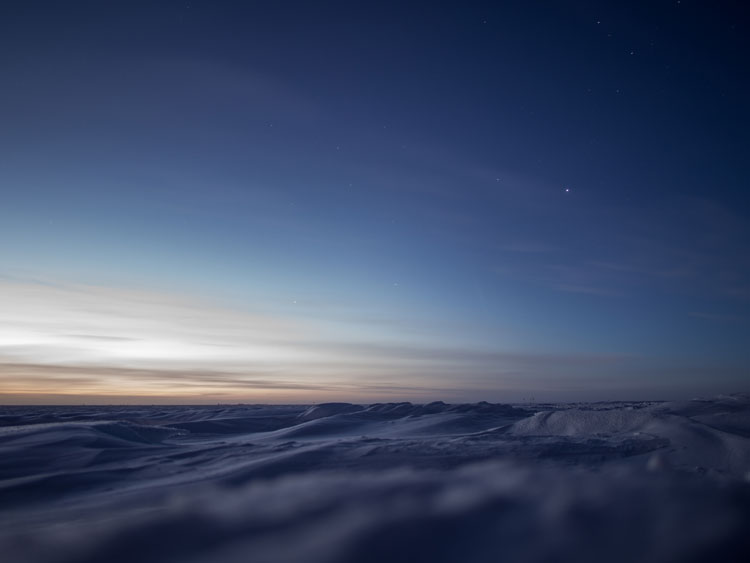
486 512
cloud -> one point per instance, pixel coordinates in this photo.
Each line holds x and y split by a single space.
83 340
101 337
73 338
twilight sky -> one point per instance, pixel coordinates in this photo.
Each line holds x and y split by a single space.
218 201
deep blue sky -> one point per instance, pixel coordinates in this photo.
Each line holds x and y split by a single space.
370 200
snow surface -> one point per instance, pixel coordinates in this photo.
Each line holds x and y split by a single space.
339 483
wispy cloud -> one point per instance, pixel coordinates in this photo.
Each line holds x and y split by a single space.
67 340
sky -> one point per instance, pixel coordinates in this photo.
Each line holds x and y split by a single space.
218 201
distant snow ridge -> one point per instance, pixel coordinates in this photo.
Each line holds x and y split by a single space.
397 410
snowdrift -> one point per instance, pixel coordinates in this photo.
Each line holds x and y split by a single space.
388 482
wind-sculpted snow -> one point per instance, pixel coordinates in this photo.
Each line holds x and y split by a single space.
343 483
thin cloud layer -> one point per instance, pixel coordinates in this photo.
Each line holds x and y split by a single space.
68 343
84 340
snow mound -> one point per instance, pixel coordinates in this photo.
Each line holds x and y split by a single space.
580 422
96 434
